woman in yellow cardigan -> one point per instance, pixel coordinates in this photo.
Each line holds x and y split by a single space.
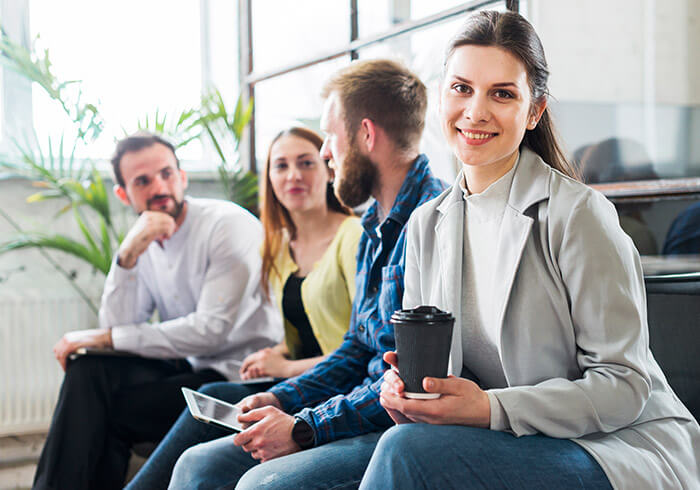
309 266
308 256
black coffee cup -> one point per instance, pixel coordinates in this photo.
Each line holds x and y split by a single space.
423 340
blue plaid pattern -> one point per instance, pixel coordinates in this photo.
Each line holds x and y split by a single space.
339 397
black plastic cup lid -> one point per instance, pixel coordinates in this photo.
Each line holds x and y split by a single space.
422 314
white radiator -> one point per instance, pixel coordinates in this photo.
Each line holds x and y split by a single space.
30 376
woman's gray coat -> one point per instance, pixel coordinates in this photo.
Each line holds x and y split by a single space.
571 309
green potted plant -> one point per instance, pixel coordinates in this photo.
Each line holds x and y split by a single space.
80 187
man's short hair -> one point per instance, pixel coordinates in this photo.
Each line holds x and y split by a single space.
385 92
136 142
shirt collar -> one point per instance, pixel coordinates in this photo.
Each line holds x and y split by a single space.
500 187
406 200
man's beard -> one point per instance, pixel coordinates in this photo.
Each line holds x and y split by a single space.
177 208
358 179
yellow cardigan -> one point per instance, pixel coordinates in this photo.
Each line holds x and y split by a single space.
328 290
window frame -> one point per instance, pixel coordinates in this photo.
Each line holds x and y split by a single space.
626 191
249 77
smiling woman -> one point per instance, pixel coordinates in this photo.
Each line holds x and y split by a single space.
553 382
484 119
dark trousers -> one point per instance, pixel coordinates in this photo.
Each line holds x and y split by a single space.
106 405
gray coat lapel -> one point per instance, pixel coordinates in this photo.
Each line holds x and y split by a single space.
530 186
449 232
511 242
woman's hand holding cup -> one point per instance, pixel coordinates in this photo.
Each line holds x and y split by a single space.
423 338
462 402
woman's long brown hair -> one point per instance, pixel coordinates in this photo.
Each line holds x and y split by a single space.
274 216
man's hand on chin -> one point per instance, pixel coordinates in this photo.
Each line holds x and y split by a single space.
269 436
150 226
72 341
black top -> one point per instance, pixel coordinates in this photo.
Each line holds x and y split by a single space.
293 309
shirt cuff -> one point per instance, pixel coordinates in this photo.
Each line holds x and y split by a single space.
285 395
127 337
121 274
499 418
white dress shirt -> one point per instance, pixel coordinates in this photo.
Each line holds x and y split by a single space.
205 284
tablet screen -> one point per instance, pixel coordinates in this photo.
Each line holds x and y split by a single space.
213 410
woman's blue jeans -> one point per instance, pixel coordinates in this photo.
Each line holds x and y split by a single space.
422 456
404 457
187 432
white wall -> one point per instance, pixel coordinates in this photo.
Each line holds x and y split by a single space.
600 50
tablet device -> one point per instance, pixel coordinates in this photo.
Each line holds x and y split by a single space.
264 379
212 410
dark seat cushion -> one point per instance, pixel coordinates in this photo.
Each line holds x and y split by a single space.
674 336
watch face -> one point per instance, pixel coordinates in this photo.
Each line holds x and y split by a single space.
303 434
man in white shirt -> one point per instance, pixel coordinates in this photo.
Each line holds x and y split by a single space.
197 262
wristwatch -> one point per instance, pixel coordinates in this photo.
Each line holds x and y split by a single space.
303 434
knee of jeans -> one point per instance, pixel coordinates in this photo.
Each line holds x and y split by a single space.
267 477
399 440
190 464
250 480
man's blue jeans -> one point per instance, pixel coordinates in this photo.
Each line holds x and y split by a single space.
414 456
220 464
406 456
185 433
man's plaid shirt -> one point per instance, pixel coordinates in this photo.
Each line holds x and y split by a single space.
339 397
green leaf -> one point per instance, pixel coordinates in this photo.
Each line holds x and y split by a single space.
44 195
57 242
106 241
214 141
85 231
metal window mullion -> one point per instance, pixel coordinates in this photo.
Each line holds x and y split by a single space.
354 26
245 68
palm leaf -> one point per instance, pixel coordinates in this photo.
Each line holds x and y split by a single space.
106 240
85 231
60 243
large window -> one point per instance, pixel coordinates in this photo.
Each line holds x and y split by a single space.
625 79
133 58
292 59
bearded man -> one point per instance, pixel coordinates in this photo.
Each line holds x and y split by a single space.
195 261
319 429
